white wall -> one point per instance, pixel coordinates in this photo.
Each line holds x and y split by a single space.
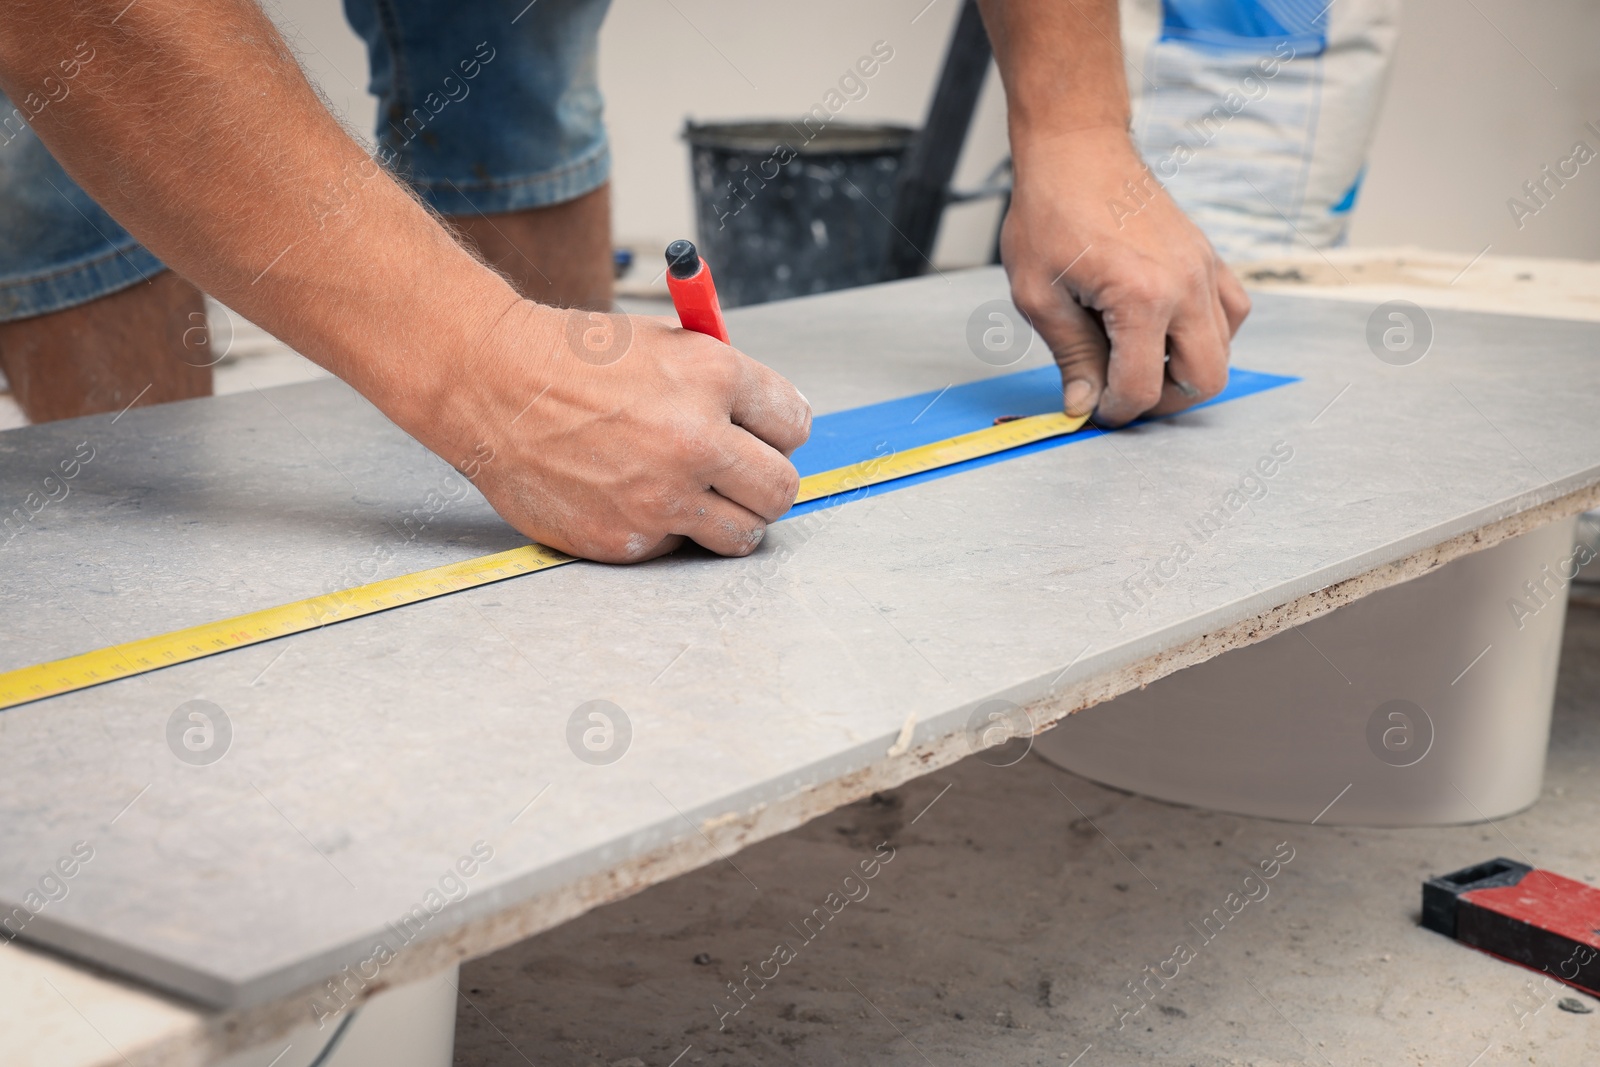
1469 117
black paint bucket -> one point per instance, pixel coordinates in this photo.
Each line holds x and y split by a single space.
789 209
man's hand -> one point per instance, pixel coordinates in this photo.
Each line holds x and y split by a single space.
619 458
1114 293
195 128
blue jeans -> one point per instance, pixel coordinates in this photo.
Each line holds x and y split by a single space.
483 106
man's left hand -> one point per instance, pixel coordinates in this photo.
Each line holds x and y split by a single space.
1132 300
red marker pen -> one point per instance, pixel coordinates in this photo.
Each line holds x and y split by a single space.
694 294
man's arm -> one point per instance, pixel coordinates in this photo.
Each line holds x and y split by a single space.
1152 279
193 125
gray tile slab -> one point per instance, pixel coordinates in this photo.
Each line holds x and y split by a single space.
369 758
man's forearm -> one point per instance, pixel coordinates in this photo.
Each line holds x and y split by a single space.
194 126
1061 63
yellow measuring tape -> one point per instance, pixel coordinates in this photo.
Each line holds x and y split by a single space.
180 646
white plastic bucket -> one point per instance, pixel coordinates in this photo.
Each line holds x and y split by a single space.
412 1025
1424 704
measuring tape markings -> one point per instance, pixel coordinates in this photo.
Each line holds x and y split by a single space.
27 684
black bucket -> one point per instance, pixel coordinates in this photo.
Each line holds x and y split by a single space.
785 209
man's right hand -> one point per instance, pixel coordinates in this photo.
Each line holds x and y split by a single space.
618 454
620 460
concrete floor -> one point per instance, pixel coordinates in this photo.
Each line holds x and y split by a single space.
1006 925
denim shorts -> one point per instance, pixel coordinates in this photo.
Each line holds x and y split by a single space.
483 106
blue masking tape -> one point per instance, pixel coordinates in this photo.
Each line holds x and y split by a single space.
845 437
